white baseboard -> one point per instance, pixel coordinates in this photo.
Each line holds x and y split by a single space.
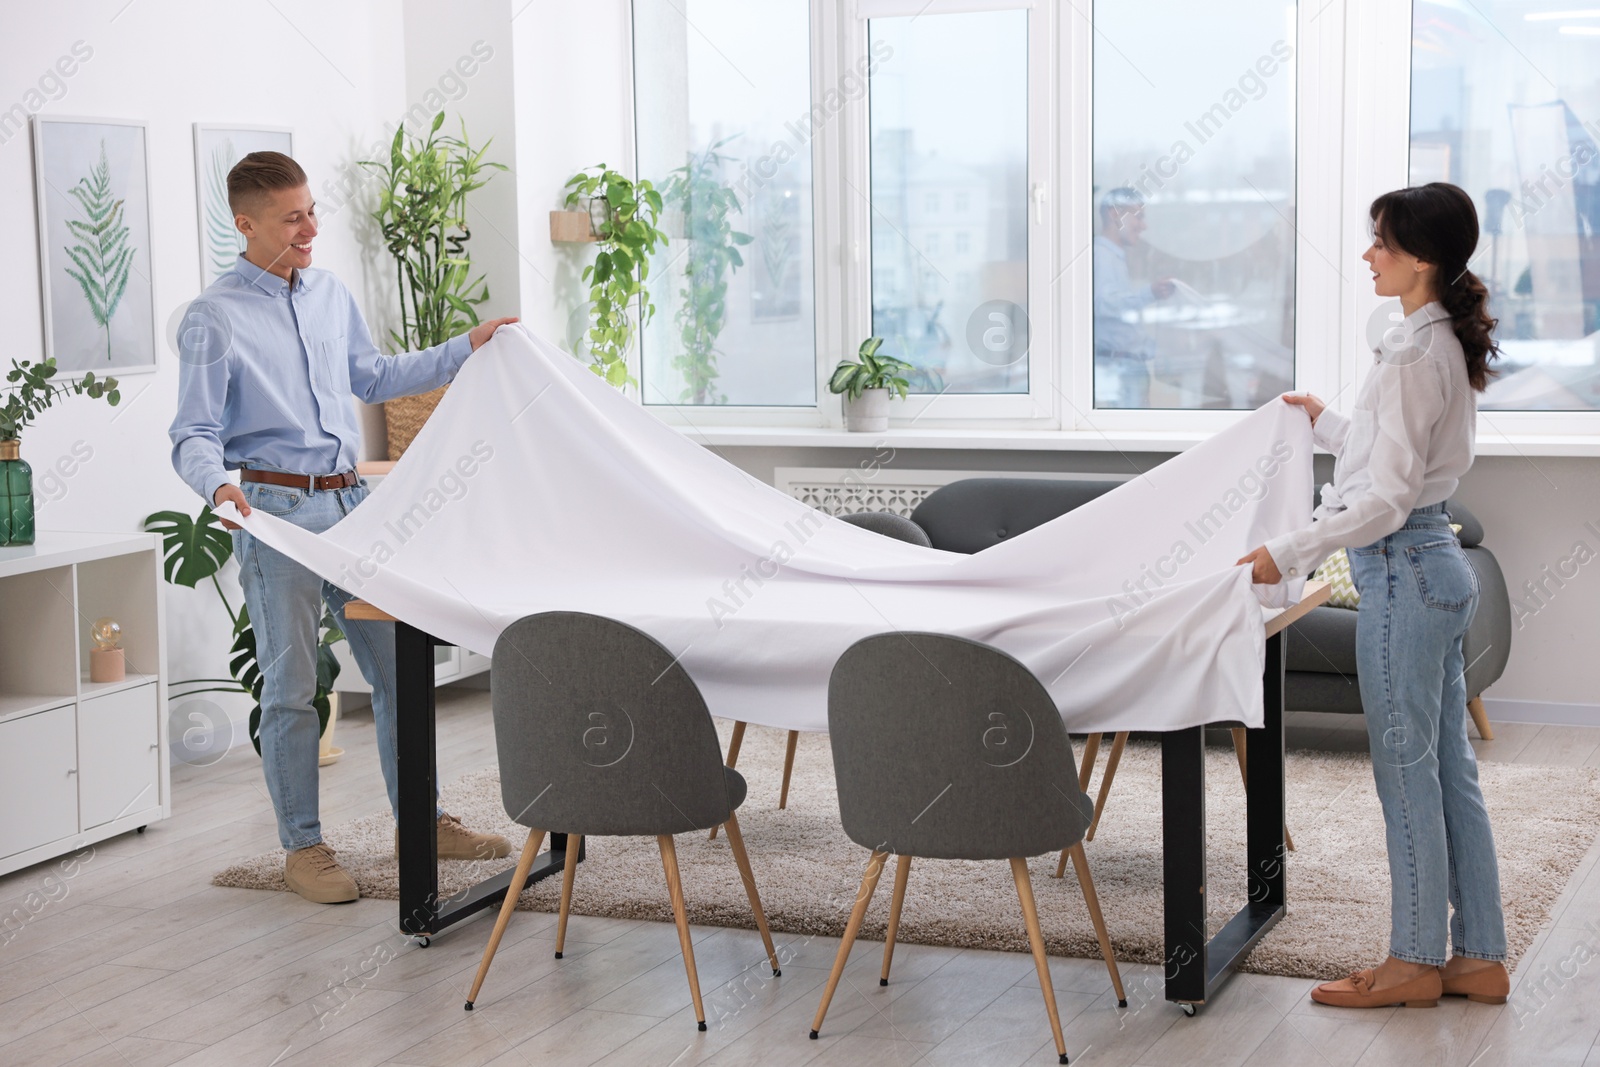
1542 712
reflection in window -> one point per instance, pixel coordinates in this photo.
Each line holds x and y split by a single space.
949 115
1194 201
1505 102
725 124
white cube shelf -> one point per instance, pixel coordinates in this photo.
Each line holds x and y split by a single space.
80 761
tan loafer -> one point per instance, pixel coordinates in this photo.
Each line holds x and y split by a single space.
1485 985
316 875
1356 991
456 842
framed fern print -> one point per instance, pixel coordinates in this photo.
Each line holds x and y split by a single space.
216 150
92 184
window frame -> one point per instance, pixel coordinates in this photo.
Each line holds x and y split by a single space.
1352 142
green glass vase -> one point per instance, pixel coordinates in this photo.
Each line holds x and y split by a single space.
16 496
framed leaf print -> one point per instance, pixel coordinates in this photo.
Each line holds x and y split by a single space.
92 185
216 150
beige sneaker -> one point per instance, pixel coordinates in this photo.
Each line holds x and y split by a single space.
316 875
456 842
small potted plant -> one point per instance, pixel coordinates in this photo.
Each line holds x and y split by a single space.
31 393
867 385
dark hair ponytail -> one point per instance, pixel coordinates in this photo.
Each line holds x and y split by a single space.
1437 224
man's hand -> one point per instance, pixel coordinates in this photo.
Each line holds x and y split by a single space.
1163 288
1263 571
485 330
234 493
1311 404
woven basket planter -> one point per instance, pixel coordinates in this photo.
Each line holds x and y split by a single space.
405 417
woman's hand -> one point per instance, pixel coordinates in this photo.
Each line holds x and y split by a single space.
1263 571
485 330
1311 404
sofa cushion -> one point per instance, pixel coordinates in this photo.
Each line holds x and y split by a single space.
1324 642
978 513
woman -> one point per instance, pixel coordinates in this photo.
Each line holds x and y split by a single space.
1401 454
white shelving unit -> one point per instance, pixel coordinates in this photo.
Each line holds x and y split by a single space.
80 761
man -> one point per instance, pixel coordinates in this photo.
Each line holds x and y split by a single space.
270 355
1122 351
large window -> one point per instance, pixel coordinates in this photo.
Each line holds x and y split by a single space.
1505 98
949 198
725 123
1194 203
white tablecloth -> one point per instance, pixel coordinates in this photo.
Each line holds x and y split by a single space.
537 487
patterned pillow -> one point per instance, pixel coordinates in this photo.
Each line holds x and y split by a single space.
1335 570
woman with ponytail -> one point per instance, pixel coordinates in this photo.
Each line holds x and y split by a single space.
1401 453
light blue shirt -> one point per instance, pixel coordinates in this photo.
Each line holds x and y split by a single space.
1117 303
267 371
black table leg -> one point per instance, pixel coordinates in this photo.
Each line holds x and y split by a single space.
422 912
1196 967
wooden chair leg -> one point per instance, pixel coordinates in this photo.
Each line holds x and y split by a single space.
788 768
734 744
869 885
1239 751
1480 718
902 871
1030 917
1091 752
1117 744
742 858
680 916
567 872
530 849
1091 899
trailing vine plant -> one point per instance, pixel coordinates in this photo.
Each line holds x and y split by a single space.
707 204
628 235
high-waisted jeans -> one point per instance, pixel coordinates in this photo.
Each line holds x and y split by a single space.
1418 593
285 601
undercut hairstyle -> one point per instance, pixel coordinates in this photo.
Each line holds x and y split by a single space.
259 173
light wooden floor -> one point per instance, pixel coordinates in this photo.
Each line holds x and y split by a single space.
137 959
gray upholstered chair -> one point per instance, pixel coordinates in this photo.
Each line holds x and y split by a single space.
888 524
945 748
600 731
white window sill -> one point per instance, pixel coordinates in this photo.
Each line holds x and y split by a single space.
1067 440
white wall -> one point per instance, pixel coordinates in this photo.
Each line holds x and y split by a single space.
330 71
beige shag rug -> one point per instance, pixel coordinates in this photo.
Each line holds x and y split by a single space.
1545 819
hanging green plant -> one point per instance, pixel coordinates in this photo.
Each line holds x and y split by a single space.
102 257
707 204
625 214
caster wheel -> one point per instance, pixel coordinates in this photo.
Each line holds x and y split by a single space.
1187 1009
422 940
140 830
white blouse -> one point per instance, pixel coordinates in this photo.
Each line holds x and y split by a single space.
1405 445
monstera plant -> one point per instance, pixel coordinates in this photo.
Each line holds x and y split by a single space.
196 549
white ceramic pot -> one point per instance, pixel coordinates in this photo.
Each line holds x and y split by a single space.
868 413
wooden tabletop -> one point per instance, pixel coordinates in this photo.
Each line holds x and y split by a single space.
1315 593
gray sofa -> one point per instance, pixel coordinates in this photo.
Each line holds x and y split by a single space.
975 513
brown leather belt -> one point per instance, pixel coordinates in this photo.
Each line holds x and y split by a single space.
302 481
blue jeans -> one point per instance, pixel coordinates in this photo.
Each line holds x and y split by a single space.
1418 594
285 601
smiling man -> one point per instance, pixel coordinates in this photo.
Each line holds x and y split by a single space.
270 355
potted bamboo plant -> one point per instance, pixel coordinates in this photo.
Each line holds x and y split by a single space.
422 211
